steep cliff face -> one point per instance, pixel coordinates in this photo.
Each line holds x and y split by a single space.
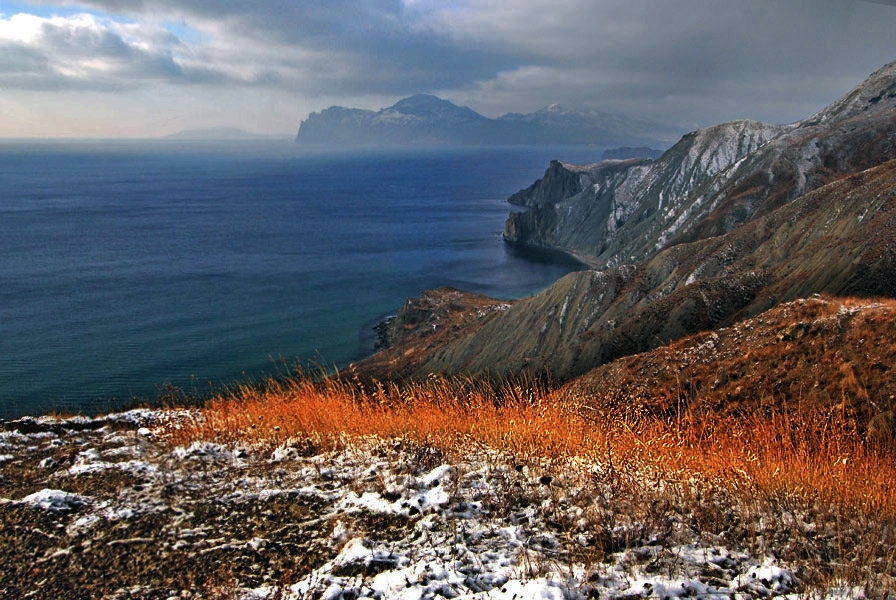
709 182
623 211
839 239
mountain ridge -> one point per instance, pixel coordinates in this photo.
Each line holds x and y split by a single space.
428 119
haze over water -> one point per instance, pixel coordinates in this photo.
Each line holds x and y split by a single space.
127 266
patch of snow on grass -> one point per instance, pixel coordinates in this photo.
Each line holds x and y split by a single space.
10 439
47 499
208 452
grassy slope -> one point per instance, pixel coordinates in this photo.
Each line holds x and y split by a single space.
823 354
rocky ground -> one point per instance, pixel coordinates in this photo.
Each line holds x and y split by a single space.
110 508
424 324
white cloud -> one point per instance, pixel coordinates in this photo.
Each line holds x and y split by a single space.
83 51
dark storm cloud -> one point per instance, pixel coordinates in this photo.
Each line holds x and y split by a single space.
698 61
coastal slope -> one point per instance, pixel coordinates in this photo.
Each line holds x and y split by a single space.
730 222
839 240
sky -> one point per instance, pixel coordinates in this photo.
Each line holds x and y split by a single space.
146 68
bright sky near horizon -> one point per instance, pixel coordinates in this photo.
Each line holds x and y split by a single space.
145 68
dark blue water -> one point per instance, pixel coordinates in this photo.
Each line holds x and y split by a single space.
128 266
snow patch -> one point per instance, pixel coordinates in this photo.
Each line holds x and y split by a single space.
48 499
208 452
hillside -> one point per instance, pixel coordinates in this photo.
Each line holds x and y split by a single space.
839 239
426 119
731 221
819 353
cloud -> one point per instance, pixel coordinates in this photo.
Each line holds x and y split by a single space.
333 47
688 61
84 52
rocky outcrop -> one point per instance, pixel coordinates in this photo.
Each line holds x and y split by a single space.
425 119
625 210
424 324
711 181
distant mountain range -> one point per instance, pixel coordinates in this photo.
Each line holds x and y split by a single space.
217 133
425 119
626 153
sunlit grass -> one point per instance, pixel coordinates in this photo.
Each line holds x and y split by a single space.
816 456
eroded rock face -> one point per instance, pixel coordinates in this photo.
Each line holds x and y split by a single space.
622 211
708 183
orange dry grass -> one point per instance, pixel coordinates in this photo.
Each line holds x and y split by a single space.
816 457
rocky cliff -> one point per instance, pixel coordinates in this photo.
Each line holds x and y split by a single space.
623 211
708 183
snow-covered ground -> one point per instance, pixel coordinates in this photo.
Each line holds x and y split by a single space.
106 509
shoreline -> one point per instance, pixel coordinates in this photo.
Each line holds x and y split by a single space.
547 254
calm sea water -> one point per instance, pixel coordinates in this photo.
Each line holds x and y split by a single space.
129 266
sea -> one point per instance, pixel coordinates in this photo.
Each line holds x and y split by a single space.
138 271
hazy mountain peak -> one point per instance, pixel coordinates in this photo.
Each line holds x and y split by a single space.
421 101
426 105
215 133
428 119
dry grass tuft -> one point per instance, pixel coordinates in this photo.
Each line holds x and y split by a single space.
788 449
813 455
